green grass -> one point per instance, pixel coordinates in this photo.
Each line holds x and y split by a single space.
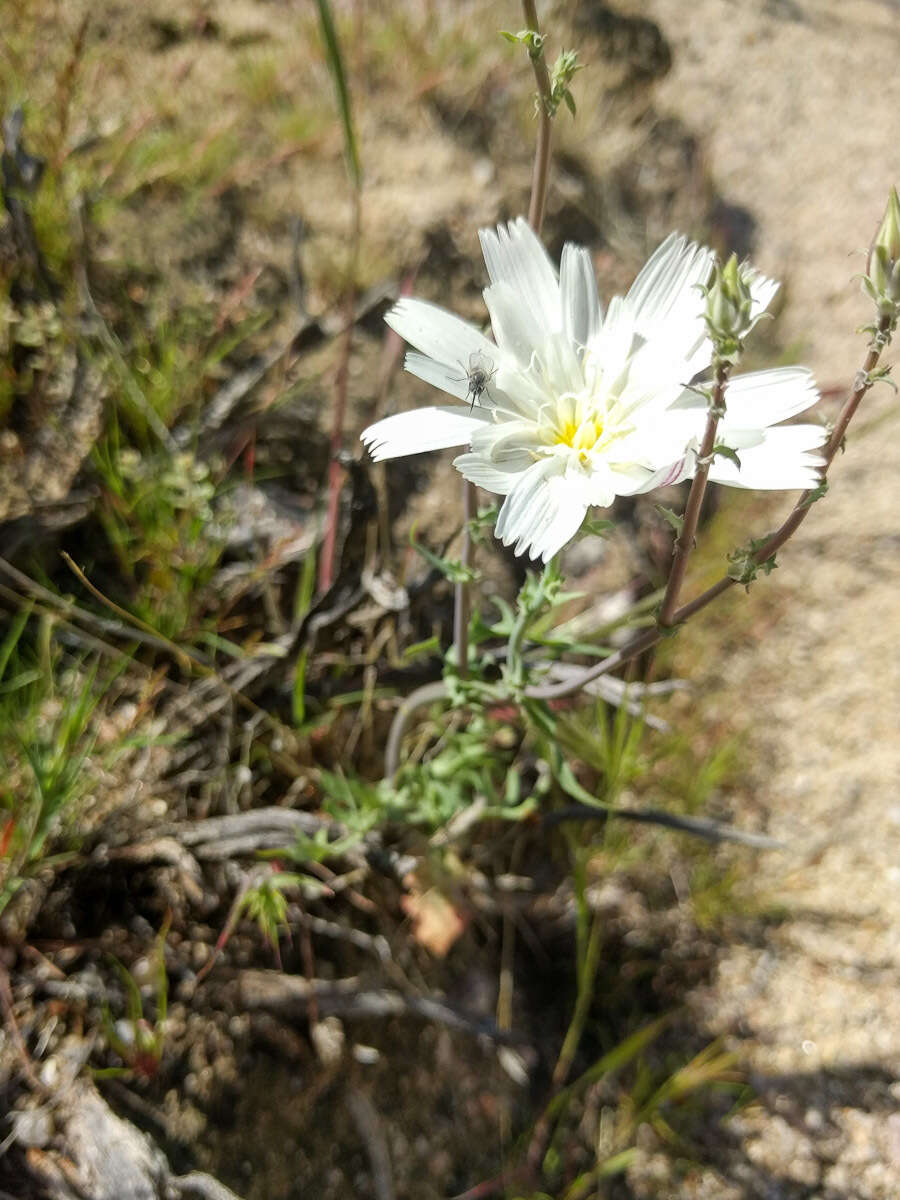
49 706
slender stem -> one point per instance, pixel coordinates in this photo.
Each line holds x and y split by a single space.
462 603
428 693
587 973
688 536
542 149
582 911
587 953
568 687
649 637
335 470
861 384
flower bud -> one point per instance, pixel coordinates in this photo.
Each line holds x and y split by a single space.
883 279
729 304
887 239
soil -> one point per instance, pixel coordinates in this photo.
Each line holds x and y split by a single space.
799 105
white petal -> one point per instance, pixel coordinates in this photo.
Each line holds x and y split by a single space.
762 291
786 459
543 511
659 439
510 443
612 344
514 255
560 366
438 333
516 329
421 429
764 398
454 380
512 521
640 480
517 393
667 287
578 294
488 475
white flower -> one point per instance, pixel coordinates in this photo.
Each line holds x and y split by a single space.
568 408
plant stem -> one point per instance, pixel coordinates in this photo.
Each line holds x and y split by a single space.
650 637
862 383
688 536
461 601
428 693
587 954
587 973
335 470
542 149
582 912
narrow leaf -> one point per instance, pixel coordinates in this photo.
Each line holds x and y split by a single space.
671 517
336 67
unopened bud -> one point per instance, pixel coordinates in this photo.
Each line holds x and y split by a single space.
882 282
729 304
888 236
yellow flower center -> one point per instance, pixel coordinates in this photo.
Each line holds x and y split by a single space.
580 435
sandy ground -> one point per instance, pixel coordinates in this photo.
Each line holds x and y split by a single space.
800 107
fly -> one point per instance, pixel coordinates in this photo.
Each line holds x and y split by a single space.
480 372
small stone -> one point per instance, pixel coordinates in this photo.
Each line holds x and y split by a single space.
328 1040
33 1128
813 1120
366 1055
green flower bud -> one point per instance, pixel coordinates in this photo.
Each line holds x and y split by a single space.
729 305
882 281
888 236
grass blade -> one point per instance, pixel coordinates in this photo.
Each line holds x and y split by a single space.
336 67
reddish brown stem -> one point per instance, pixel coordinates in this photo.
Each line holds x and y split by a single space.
335 470
542 149
688 536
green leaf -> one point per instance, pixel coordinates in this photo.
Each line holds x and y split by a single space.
336 67
570 785
12 638
670 516
596 526
614 1060
816 494
450 568
299 691
529 38
430 645
744 567
720 450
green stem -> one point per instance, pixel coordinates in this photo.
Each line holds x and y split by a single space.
461 598
542 148
587 973
582 912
